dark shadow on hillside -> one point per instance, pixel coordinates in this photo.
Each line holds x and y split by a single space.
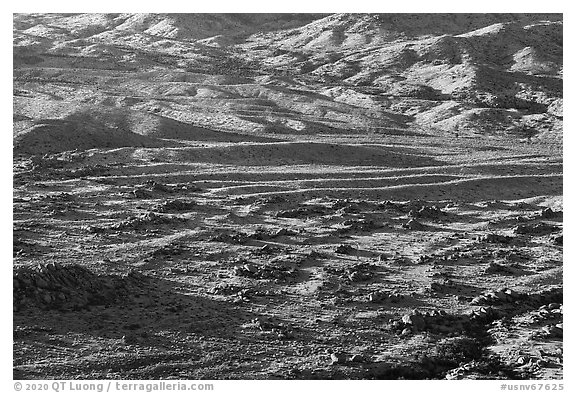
131 314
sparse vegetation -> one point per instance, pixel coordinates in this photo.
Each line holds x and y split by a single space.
341 196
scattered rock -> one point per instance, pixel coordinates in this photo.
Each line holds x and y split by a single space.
232 238
495 238
500 296
355 273
271 200
553 331
263 234
427 212
280 329
443 286
140 193
440 322
536 229
415 320
357 359
406 332
414 225
359 225
271 271
175 205
150 187
226 289
338 358
388 205
303 211
144 220
94 229
283 232
385 296
548 300
550 214
344 249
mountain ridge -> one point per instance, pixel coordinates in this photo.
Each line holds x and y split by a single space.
465 74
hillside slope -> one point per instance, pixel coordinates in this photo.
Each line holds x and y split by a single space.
472 75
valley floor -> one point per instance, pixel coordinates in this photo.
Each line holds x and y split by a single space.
332 257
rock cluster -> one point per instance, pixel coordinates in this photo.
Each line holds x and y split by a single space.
68 287
175 205
500 268
385 296
414 225
355 273
345 249
550 311
548 213
552 331
144 220
438 321
282 330
358 225
58 197
536 229
558 240
443 285
498 297
150 187
495 238
270 200
511 255
476 369
348 206
388 205
231 238
263 234
226 289
504 296
345 358
268 271
427 212
303 211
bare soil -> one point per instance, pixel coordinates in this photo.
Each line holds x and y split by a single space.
240 222
230 270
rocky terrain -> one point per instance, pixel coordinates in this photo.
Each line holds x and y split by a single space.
287 196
